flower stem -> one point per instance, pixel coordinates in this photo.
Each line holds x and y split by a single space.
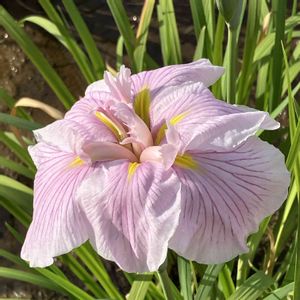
165 281
231 68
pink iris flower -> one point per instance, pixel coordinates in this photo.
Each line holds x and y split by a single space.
153 161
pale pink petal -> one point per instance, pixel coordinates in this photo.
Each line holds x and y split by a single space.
97 86
194 102
228 131
102 151
226 199
205 121
165 154
58 224
199 71
84 112
66 135
118 86
137 129
131 224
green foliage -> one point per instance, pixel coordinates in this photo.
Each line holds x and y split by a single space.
263 64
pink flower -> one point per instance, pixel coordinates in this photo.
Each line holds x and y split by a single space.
153 161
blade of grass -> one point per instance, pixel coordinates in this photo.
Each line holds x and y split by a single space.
119 52
226 282
142 34
83 275
281 293
16 211
140 287
37 58
16 167
253 287
296 168
185 278
199 52
66 285
94 264
20 193
19 151
249 49
218 53
76 52
208 281
198 16
10 102
30 278
18 236
86 37
18 122
119 14
168 32
287 221
279 9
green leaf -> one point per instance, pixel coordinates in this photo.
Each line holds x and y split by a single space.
18 122
88 256
281 293
66 285
225 281
200 45
16 167
253 287
18 192
198 16
19 151
78 270
22 216
142 34
185 278
140 287
168 32
119 14
10 102
86 37
208 281
30 278
74 49
37 58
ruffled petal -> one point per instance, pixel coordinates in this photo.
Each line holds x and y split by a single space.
199 71
103 151
58 224
118 86
66 135
84 112
165 154
227 132
138 130
131 224
203 121
226 199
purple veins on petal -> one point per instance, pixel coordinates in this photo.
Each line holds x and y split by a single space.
153 161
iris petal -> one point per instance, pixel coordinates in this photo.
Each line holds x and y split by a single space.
58 224
131 225
225 202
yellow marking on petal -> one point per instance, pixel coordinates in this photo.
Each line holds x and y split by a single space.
132 168
186 161
142 105
161 132
76 162
111 125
